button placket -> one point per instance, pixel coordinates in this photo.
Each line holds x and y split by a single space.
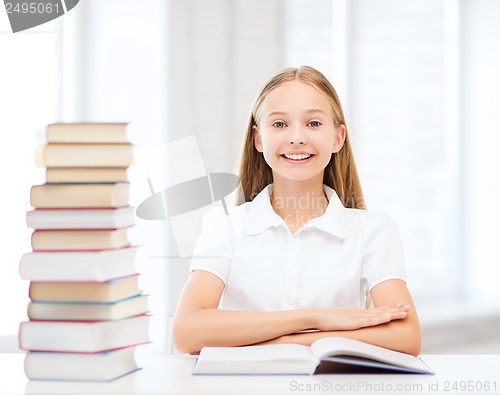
292 271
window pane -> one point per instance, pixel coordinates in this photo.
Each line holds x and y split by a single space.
396 110
28 100
479 120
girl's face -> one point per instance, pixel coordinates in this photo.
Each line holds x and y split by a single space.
296 132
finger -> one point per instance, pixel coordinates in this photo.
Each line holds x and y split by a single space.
373 319
399 315
398 307
380 317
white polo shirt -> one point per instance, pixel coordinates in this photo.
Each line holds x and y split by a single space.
328 263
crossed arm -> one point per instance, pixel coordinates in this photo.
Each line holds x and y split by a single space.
392 323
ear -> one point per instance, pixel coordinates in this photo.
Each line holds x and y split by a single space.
338 142
257 139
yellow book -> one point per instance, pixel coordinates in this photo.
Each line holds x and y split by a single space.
79 195
87 132
84 155
84 291
86 174
70 240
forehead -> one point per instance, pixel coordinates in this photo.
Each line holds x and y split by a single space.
294 96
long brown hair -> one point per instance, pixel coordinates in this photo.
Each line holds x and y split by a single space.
340 173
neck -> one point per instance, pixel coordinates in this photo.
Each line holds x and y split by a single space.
297 202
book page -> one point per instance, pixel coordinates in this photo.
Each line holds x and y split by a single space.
265 359
334 346
269 352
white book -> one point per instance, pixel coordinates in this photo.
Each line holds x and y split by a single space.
103 366
325 355
78 265
83 336
84 218
92 311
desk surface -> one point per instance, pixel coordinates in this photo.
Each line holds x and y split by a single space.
171 374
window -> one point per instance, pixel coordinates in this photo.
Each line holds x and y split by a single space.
417 83
112 70
417 80
29 98
115 68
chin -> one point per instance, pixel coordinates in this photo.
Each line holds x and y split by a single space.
296 177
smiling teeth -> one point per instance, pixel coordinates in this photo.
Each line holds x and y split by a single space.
297 156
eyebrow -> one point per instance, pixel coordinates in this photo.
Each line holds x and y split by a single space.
310 111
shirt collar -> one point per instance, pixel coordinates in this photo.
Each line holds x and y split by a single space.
261 215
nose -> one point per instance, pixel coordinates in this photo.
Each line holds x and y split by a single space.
297 136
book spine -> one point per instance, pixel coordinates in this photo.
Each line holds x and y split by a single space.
82 254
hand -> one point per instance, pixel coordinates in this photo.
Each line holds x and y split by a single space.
342 320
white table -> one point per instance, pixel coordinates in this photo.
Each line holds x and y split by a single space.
171 374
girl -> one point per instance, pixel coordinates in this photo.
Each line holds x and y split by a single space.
294 262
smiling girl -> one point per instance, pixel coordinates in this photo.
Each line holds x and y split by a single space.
295 261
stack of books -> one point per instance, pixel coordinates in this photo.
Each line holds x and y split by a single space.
87 313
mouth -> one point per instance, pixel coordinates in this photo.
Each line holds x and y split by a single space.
302 157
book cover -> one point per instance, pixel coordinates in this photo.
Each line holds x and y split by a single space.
88 311
83 336
80 195
86 174
87 239
84 291
84 155
87 132
78 265
102 366
81 218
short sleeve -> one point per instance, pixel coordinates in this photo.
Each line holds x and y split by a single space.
383 257
214 248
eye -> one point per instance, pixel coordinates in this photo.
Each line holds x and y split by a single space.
279 124
314 124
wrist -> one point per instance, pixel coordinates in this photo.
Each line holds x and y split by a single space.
311 318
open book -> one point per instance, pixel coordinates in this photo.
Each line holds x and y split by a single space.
327 355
